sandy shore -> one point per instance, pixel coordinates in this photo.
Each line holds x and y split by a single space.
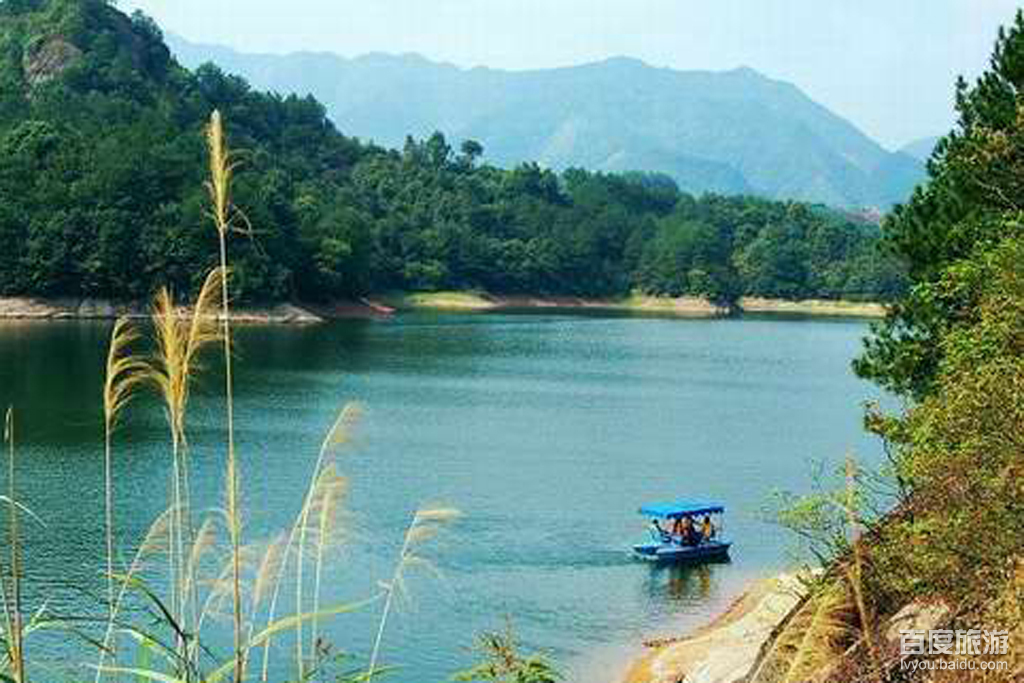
726 649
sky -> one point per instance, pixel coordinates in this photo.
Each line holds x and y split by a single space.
886 65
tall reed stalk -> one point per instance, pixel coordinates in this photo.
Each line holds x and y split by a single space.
425 524
15 628
180 337
224 215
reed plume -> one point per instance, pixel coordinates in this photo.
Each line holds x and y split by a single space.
339 434
225 217
125 372
180 338
268 568
266 563
203 543
332 490
425 525
325 487
818 645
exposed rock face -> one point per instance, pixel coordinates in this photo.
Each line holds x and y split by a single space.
46 61
15 308
917 616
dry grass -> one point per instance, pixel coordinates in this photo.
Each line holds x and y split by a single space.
811 640
855 568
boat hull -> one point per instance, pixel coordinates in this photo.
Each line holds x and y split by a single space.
674 553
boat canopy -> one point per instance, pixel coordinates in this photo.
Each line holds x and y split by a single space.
683 508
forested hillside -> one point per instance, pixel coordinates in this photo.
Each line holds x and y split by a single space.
101 181
947 550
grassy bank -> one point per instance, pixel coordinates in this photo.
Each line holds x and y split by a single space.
833 307
483 301
685 306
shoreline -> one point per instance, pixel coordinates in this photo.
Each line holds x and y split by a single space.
824 307
686 306
725 649
38 309
384 305
694 307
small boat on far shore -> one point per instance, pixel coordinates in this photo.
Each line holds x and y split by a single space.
695 534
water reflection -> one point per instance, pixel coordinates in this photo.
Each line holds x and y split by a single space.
681 583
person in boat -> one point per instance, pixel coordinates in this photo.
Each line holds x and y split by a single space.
707 529
659 532
679 528
687 534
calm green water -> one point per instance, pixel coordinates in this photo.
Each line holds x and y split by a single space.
546 430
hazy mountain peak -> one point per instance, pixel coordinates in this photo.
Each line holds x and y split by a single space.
723 131
746 71
622 61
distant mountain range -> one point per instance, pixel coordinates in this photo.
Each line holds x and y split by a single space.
728 132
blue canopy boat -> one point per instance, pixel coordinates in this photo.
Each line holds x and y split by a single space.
684 540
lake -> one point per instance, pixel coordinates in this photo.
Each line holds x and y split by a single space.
546 430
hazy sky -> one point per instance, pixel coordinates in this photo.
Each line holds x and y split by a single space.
887 65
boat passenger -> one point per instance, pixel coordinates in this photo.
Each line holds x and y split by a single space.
659 533
707 529
687 534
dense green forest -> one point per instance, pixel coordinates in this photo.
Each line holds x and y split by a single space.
101 180
951 538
